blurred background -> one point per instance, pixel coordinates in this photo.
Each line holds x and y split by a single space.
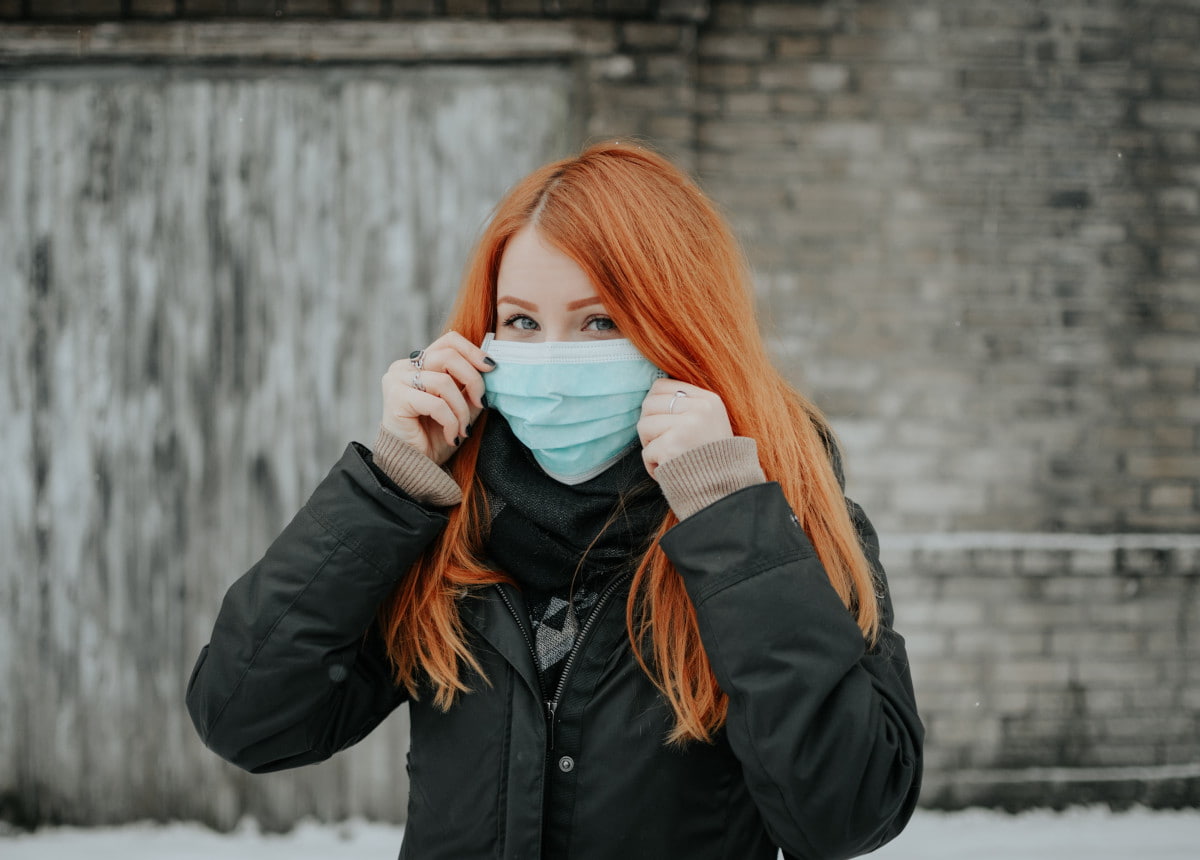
975 234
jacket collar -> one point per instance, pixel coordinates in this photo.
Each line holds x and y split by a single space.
490 613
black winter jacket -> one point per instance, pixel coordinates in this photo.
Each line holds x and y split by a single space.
821 754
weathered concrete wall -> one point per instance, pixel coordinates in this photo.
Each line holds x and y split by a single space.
204 277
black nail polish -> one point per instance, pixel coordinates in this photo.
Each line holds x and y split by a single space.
457 441
487 359
483 400
467 435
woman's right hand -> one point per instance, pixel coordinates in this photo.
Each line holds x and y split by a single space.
436 420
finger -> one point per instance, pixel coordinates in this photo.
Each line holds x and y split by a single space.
651 458
444 386
396 385
398 368
430 405
465 375
405 403
663 391
650 427
671 443
452 340
667 385
671 403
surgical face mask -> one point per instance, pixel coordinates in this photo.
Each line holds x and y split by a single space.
575 406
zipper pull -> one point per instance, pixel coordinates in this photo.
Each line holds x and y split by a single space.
551 708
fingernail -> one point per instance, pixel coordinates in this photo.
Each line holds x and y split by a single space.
468 433
487 359
457 441
483 401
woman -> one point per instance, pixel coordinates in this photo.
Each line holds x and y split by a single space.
475 564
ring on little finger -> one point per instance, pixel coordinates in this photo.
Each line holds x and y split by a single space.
674 397
416 381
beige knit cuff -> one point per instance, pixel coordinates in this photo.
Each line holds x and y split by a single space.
413 472
697 478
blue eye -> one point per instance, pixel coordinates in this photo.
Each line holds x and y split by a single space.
600 324
518 321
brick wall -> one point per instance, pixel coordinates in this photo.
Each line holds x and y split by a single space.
974 227
1053 669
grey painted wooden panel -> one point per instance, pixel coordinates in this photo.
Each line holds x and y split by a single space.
203 275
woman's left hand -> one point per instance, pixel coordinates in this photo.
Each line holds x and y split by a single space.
677 417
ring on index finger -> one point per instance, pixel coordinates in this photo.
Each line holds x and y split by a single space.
417 358
416 381
674 397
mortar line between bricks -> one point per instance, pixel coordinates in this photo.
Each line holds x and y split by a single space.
1038 541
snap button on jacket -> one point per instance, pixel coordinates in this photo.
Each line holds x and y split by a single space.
820 756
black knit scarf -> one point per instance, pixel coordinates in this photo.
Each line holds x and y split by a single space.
562 543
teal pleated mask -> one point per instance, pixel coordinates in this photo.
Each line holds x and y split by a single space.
574 405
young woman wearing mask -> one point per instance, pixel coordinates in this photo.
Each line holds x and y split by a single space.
600 548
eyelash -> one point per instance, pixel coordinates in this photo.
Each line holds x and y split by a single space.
598 318
509 323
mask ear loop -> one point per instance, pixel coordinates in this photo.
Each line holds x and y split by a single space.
487 340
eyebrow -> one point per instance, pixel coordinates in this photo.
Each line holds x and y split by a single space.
571 306
529 306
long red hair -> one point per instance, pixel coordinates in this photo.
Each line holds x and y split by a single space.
675 282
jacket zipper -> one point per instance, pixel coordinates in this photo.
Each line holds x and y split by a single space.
551 705
524 635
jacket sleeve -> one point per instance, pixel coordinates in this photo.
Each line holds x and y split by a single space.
826 730
296 668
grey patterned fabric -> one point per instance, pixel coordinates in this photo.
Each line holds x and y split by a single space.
556 622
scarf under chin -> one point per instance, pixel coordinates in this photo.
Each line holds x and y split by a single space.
541 528
560 542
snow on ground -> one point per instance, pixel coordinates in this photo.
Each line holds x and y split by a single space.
353 840
1094 833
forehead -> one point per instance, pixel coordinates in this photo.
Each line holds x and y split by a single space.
532 269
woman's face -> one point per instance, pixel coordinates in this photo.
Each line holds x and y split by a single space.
543 295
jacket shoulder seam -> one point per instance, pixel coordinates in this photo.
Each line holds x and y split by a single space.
732 578
344 538
269 633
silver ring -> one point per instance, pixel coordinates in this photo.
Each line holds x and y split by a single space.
674 397
416 381
417 358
